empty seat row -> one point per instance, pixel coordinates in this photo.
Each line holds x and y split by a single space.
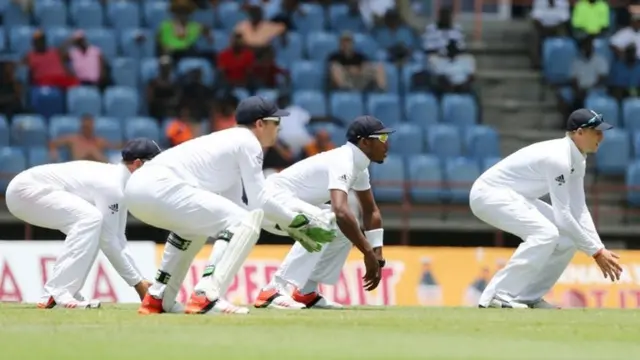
117 101
625 114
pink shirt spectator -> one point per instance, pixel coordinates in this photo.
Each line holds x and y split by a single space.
86 65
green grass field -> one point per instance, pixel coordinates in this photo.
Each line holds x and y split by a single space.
119 333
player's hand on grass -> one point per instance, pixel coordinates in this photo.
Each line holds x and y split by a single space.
372 276
142 287
609 264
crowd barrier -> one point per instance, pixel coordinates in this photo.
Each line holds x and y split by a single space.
414 276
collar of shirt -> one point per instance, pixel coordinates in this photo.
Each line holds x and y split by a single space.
360 160
577 157
124 174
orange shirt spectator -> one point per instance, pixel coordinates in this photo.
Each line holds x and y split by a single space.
236 61
181 129
322 142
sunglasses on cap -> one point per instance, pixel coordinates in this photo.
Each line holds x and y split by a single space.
594 122
382 137
272 118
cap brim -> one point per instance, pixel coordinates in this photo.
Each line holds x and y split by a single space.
281 113
385 131
604 126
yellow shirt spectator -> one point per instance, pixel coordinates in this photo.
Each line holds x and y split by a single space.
590 16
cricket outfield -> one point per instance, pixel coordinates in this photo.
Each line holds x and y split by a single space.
119 333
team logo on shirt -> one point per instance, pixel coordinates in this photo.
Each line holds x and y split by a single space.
572 170
113 208
260 158
344 178
560 180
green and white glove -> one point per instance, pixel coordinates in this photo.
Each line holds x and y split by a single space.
312 233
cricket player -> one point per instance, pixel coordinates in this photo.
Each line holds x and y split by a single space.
84 200
507 196
194 190
308 185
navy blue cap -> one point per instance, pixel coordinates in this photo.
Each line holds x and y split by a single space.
586 119
255 108
140 148
365 126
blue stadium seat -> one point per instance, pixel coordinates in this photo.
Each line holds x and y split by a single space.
346 106
84 100
385 107
109 129
489 162
87 15
123 15
340 20
444 141
407 72
142 127
63 125
336 133
28 130
557 55
286 55
460 173
387 39
206 17
120 102
3 40
56 36
269 94
149 69
241 93
311 19
312 101
137 49
631 114
605 105
13 15
308 75
155 12
602 47
46 101
633 184
12 162
38 155
614 153
459 110
20 39
230 14
50 13
4 131
320 45
365 44
407 140
105 39
220 40
425 175
422 109
187 64
482 142
124 72
393 79
388 179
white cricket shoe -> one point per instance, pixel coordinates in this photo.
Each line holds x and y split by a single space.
199 304
541 304
504 304
274 299
91 304
315 301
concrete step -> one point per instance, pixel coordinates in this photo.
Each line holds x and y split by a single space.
520 116
513 84
487 61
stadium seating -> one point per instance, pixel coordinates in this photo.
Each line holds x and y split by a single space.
120 102
84 100
444 141
407 140
46 101
37 155
311 100
142 127
614 153
459 110
4 131
50 13
426 178
631 114
308 75
109 129
459 174
388 179
12 161
385 107
557 55
481 142
320 45
633 183
422 109
346 106
28 130
606 105
87 14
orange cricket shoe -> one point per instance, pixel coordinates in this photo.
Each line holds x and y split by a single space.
315 300
273 299
150 305
198 304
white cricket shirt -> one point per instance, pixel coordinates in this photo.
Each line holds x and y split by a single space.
220 162
102 185
554 167
311 179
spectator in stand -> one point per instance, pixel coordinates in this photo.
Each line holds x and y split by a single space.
162 93
625 37
10 90
396 38
223 113
550 18
265 72
278 157
87 62
455 71
256 32
293 128
85 145
320 143
351 70
178 36
182 128
372 11
235 62
438 35
285 17
589 71
196 95
624 77
590 17
47 65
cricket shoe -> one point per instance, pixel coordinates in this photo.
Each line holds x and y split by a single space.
315 301
152 305
199 304
80 302
274 299
92 304
504 304
541 304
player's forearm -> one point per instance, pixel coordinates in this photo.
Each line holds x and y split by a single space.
349 227
372 220
122 262
583 240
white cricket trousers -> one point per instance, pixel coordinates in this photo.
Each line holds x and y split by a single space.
39 204
161 198
541 258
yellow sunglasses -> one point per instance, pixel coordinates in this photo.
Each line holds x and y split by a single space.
382 137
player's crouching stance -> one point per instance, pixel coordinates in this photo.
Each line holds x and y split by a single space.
306 186
84 200
507 196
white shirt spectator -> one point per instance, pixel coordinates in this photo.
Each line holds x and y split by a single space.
587 71
293 129
371 8
625 37
549 15
457 69
435 39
